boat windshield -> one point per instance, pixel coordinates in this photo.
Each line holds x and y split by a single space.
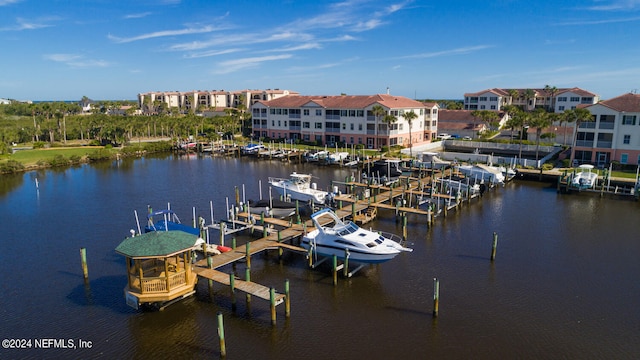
350 228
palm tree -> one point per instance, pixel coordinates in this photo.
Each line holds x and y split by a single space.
409 117
539 120
528 95
487 116
389 119
577 116
377 110
552 90
513 93
511 123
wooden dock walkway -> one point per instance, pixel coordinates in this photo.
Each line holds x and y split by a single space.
248 287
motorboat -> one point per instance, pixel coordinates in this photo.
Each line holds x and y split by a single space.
509 173
332 236
299 187
382 171
167 220
272 207
337 157
431 160
315 156
480 172
585 178
251 149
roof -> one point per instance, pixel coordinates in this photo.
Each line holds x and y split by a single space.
157 244
344 101
538 92
629 102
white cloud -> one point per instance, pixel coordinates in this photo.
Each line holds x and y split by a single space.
244 63
137 16
75 60
24 24
211 53
8 2
622 5
186 31
458 51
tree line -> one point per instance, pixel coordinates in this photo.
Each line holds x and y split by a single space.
61 122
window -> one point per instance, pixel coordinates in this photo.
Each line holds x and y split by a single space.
562 99
586 100
360 127
306 112
318 125
272 111
481 107
483 98
561 107
352 113
493 98
351 126
628 120
575 99
306 125
343 112
626 139
493 107
624 158
360 113
318 112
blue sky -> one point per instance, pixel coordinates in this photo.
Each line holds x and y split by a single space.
110 49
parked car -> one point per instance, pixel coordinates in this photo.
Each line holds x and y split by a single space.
466 138
444 136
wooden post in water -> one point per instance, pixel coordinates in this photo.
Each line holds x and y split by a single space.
346 262
404 226
494 246
287 299
272 305
247 253
85 268
210 266
232 288
223 346
436 296
247 278
334 268
233 242
353 210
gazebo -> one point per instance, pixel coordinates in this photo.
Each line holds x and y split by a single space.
159 267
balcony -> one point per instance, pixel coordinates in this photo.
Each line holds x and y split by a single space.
584 143
606 125
604 144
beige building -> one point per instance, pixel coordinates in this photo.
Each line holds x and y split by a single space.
205 101
554 100
346 119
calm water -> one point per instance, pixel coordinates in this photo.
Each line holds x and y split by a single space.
564 284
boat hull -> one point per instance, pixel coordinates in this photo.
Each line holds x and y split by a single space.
354 254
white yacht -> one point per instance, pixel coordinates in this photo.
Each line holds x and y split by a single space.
299 187
335 237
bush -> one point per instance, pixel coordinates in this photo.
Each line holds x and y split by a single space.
11 166
59 160
100 154
547 166
38 145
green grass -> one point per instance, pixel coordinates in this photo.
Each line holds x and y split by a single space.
32 157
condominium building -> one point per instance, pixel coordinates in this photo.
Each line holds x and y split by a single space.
614 133
212 100
346 119
553 99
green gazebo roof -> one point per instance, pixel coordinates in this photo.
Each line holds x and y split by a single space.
157 244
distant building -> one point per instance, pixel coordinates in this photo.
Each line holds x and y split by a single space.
346 119
614 135
207 101
556 100
5 101
460 123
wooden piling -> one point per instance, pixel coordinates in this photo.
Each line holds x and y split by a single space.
232 289
335 269
247 278
436 296
346 263
287 299
272 305
494 246
223 346
248 253
85 268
